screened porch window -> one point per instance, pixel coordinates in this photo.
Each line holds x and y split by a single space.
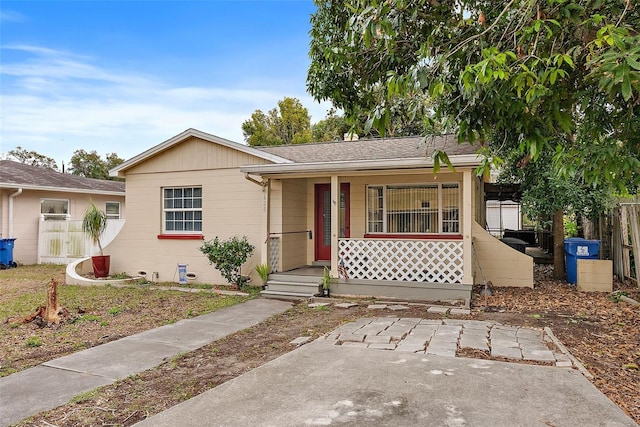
182 210
413 209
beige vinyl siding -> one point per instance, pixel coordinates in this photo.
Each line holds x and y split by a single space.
498 262
479 204
26 217
231 206
294 246
195 154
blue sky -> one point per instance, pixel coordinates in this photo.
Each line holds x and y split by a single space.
123 76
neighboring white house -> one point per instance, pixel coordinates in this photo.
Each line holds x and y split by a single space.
42 210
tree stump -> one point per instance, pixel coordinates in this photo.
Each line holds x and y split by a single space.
51 313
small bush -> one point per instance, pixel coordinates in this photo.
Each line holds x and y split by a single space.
228 256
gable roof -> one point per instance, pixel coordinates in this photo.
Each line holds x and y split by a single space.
19 175
171 142
371 149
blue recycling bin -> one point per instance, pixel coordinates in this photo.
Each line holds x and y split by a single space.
6 253
576 248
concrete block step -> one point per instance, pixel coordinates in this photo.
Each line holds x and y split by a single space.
308 288
286 295
279 277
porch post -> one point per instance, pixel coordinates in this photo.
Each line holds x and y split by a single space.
467 225
335 223
266 218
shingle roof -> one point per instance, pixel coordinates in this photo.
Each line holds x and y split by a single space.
370 149
14 174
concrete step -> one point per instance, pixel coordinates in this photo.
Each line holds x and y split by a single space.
286 295
287 286
279 277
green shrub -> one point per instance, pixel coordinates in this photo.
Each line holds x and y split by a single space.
228 256
34 341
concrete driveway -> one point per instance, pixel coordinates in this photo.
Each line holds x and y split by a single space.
325 384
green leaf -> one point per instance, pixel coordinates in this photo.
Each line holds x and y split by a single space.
626 87
633 63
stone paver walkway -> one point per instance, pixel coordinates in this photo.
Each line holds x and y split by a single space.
445 337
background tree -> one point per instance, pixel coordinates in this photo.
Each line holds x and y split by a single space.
32 158
289 123
331 128
548 198
91 165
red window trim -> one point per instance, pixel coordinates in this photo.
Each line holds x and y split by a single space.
180 237
414 236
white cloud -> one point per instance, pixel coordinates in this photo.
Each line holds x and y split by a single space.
56 102
10 16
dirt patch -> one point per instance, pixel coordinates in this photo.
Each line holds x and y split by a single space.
600 332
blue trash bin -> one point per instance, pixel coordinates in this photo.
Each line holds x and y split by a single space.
6 253
576 248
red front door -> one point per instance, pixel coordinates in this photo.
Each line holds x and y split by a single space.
323 219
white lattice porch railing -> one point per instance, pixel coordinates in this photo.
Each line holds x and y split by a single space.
433 261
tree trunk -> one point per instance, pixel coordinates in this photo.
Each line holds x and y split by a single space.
558 245
53 308
50 313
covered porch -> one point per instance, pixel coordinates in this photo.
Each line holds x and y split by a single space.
397 233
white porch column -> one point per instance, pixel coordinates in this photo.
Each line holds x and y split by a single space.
335 223
467 222
266 219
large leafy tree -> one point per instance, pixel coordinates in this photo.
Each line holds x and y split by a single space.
555 76
289 123
92 165
32 158
553 82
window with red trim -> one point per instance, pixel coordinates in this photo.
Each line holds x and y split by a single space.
182 210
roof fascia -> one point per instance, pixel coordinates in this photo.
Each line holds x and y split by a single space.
13 186
120 169
464 160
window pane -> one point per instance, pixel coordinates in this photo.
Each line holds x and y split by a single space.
374 210
51 206
450 208
112 209
183 209
412 209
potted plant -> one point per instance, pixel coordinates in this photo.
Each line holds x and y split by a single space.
94 224
263 272
327 278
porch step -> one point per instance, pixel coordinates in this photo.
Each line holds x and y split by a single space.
294 278
304 288
285 295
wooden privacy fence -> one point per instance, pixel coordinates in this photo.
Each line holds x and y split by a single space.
626 241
